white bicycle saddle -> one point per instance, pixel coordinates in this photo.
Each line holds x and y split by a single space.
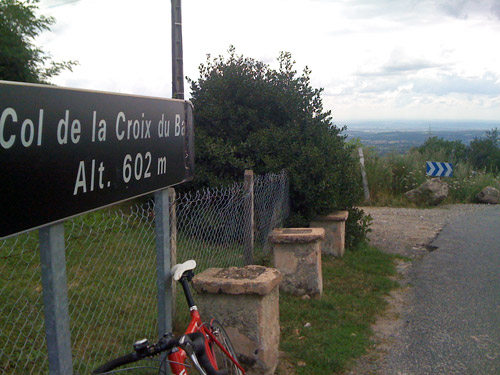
178 270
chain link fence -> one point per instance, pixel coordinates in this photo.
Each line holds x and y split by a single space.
111 269
271 208
214 225
22 335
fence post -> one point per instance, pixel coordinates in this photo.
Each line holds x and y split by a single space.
163 264
363 174
55 299
248 187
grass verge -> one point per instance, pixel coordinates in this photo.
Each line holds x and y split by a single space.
353 294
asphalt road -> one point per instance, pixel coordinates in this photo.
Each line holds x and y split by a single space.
453 323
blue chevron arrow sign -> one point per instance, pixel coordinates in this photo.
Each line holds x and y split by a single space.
437 169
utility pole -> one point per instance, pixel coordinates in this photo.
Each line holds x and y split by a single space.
164 258
177 59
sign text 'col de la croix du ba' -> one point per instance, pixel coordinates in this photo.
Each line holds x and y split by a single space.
64 152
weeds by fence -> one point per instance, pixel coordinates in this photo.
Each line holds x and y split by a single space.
111 270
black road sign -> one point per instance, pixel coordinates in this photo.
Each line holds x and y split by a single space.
64 152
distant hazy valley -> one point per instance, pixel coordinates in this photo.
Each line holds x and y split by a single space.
386 142
400 136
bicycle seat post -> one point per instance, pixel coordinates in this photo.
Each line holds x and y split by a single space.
184 280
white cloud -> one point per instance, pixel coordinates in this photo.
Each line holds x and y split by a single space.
449 84
375 59
120 45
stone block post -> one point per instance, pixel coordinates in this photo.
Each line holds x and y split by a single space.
297 255
334 226
246 302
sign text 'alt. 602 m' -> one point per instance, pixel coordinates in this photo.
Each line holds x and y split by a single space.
64 152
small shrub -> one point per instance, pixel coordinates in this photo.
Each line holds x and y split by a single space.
357 227
467 183
407 172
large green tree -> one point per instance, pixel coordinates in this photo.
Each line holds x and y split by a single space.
484 153
20 59
250 116
455 151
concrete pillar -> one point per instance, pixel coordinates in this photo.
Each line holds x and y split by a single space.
246 302
297 255
334 226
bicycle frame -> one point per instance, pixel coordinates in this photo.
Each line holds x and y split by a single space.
178 358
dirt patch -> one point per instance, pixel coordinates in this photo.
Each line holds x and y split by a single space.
405 231
285 367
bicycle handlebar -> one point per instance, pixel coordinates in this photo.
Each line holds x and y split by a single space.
117 362
193 344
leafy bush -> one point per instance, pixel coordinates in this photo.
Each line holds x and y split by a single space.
250 116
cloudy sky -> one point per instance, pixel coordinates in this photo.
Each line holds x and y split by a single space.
375 59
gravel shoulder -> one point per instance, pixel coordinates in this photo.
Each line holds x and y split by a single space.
408 232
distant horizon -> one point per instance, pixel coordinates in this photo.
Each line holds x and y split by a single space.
418 125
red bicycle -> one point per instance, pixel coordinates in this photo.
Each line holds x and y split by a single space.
205 346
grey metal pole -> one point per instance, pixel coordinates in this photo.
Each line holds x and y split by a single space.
173 224
177 54
163 264
173 242
55 299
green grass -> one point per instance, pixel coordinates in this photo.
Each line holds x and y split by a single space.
353 294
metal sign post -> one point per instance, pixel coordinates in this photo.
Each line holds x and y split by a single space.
55 299
163 266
